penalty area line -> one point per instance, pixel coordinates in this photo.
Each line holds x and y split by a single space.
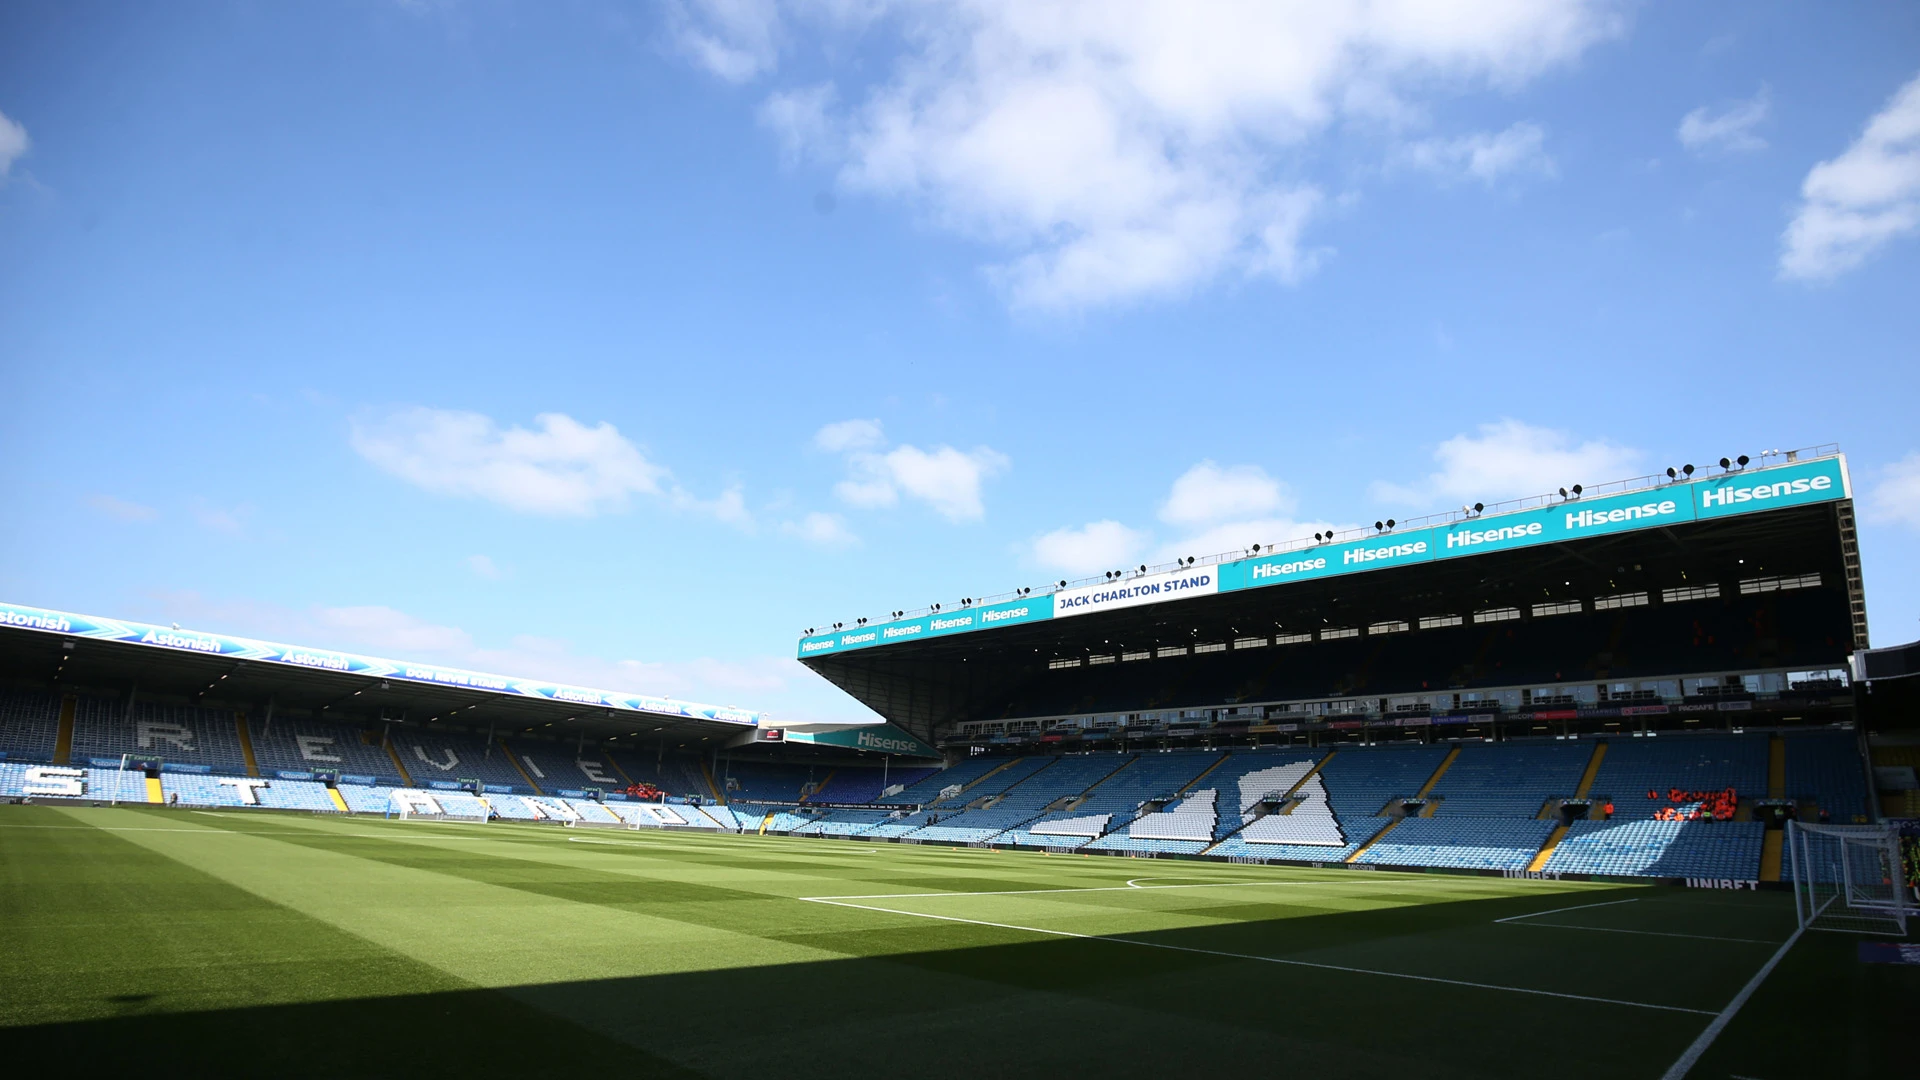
1259 959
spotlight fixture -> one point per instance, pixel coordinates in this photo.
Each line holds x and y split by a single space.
936 607
1479 507
1063 583
1726 463
1742 460
1256 547
1143 568
1671 474
1688 469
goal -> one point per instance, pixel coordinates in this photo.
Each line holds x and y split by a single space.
420 806
1848 878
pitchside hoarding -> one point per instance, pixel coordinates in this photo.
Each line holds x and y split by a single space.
67 624
1743 492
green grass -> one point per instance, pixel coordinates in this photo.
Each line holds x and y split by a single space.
164 939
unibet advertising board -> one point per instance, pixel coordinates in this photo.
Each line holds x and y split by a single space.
1744 492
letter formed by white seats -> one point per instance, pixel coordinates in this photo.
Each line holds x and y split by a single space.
554 809
312 747
246 787
452 759
531 767
179 737
55 780
414 802
592 771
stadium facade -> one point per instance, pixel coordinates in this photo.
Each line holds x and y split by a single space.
1644 679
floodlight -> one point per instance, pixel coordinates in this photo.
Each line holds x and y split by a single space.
1478 507
1741 461
1671 474
1577 489
1726 463
1389 523
1688 469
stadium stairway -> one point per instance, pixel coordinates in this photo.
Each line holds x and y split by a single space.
1776 768
406 777
246 743
1391 825
1539 860
817 788
63 740
339 801
154 794
707 775
1222 760
625 780
1426 788
1593 770
1772 846
514 760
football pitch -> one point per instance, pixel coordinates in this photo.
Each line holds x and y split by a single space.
162 942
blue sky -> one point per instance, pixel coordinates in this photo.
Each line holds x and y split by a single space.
620 343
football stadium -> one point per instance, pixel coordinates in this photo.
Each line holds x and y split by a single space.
1605 782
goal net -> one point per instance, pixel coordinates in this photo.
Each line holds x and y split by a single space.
420 806
1848 878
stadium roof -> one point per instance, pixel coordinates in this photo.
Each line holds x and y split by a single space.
1655 532
44 646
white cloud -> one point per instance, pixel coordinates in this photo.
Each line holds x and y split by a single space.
946 479
1116 151
1232 536
1510 459
1483 156
560 467
734 39
1728 131
1860 200
1216 509
800 120
1896 495
822 530
13 143
849 435
121 509
483 567
229 520
1207 493
1090 549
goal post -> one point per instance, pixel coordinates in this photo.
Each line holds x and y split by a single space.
1848 878
420 806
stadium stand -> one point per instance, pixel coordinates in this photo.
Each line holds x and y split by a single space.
309 745
1725 849
1824 769
29 722
96 784
1512 780
445 758
194 790
862 784
1640 776
556 769
764 781
675 774
1479 842
179 734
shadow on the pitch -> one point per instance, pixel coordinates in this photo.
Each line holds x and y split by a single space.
930 1000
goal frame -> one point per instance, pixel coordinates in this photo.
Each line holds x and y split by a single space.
402 811
1848 878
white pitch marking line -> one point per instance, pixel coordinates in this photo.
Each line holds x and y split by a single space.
1033 892
1260 959
1687 1060
1646 933
1558 910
